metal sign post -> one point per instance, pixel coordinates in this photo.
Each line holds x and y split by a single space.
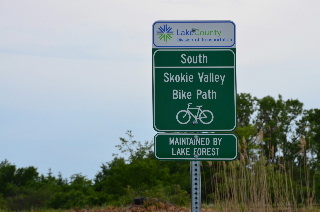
195 186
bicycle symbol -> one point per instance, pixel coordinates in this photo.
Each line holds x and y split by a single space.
184 116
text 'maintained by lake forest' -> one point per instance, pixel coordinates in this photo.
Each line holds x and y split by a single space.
172 146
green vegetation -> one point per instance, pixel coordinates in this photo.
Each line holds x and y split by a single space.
278 169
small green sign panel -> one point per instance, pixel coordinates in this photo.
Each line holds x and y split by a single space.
194 147
194 90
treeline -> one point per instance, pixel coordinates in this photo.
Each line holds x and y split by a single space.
117 183
278 167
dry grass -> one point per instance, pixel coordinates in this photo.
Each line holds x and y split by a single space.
235 186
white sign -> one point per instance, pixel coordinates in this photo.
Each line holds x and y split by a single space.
204 34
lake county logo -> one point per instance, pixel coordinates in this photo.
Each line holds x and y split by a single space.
165 32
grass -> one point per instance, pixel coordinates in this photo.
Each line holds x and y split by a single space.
236 186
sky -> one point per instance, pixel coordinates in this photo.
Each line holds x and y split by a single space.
75 75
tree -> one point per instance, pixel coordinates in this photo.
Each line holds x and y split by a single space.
308 133
7 173
246 130
78 193
276 118
245 109
23 176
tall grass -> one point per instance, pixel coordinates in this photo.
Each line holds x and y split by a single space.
243 186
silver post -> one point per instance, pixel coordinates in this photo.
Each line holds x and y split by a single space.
195 186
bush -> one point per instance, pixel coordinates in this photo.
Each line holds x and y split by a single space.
3 203
170 194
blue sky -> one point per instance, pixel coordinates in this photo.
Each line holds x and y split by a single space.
76 75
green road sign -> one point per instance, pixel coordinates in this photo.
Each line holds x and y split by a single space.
194 90
194 147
